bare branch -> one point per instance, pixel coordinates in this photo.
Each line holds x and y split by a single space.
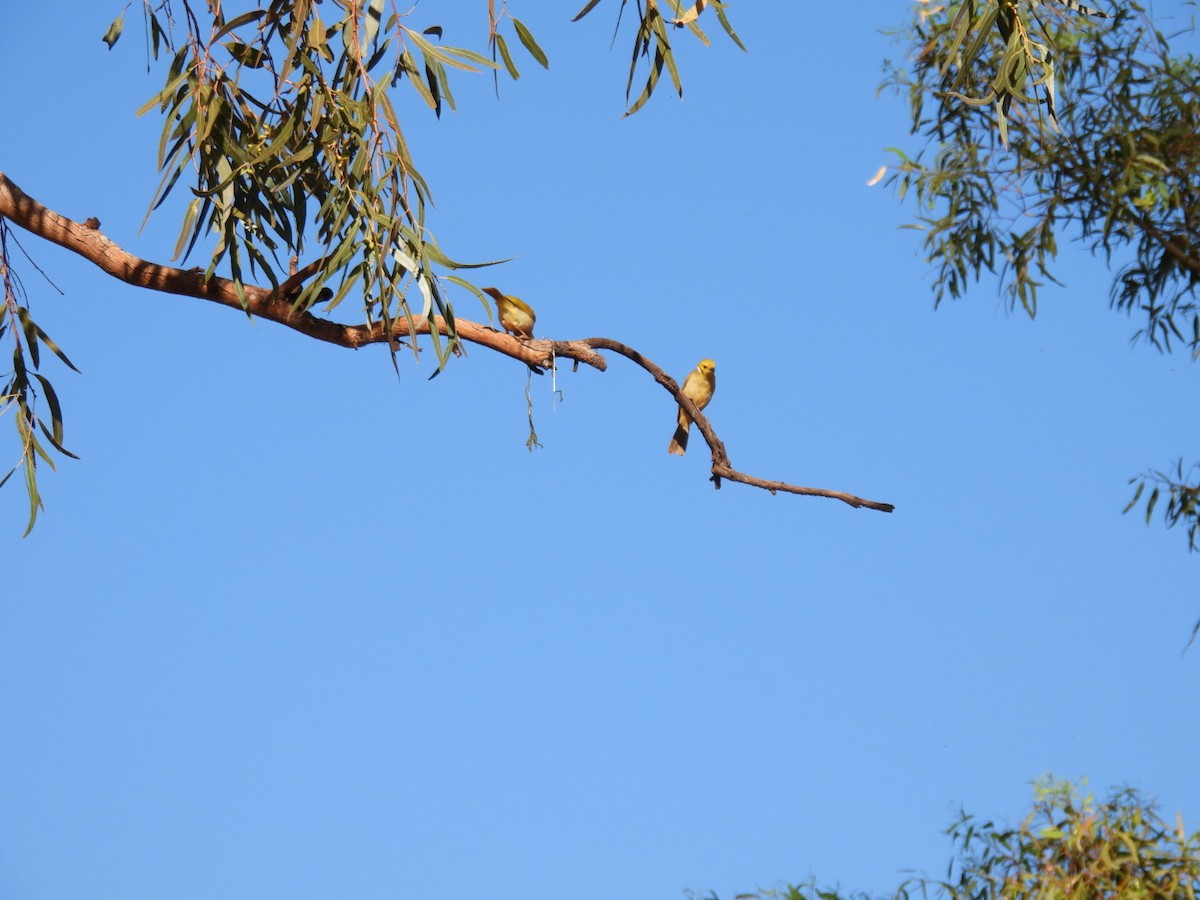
721 466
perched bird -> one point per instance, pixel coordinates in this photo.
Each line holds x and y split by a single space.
697 387
516 316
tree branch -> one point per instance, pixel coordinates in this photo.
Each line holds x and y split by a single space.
86 239
721 466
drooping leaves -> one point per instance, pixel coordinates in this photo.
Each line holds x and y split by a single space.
25 388
652 41
284 128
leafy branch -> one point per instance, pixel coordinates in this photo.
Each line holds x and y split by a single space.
267 303
282 125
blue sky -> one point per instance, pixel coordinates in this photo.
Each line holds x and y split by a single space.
293 627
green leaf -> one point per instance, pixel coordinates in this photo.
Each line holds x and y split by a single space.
29 327
434 74
20 378
249 56
660 30
502 47
54 348
530 44
158 35
1137 496
587 9
38 448
447 55
651 81
35 501
983 27
160 99
114 31
724 20
55 411
189 221
238 22
960 27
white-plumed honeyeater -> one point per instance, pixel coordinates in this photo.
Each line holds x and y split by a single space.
516 316
697 387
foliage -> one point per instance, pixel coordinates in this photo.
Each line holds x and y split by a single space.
288 124
1113 162
281 119
1124 174
1069 847
26 386
652 31
288 120
1182 498
1025 64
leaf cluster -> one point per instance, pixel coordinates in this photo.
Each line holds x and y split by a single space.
499 45
286 123
654 34
1181 489
1025 70
25 386
1183 497
1069 847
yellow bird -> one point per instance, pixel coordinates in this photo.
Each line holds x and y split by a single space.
697 387
516 316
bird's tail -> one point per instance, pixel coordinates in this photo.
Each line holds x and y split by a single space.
678 445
